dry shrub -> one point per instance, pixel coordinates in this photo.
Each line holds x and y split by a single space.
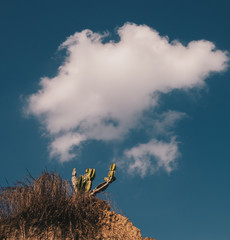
49 202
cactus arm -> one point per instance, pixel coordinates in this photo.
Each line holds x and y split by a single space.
80 183
100 188
112 167
74 183
74 179
111 178
87 186
84 182
111 173
92 174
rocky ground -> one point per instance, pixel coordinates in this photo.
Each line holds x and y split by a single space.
114 227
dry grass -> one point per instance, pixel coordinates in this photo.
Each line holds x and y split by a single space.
35 206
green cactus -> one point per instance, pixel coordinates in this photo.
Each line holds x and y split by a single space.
88 178
112 167
107 180
80 183
84 183
88 186
111 173
90 174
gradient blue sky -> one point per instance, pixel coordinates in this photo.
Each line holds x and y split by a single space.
192 202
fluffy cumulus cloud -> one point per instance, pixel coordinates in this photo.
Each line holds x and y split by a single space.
103 87
149 157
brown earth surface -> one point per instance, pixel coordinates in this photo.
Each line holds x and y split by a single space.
48 208
114 227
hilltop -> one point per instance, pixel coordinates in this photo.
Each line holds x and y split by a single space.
48 208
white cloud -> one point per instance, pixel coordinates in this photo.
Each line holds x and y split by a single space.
163 123
62 146
149 157
102 88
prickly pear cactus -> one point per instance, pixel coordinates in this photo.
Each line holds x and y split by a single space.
112 167
90 174
74 179
111 174
84 183
111 178
88 186
80 183
88 178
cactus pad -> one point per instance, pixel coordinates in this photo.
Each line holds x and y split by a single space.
84 183
91 173
113 167
88 186
80 183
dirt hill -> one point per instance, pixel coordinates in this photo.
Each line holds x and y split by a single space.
46 208
114 227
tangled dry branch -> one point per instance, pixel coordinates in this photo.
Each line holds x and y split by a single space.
49 201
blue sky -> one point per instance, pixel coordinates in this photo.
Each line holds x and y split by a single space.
182 195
